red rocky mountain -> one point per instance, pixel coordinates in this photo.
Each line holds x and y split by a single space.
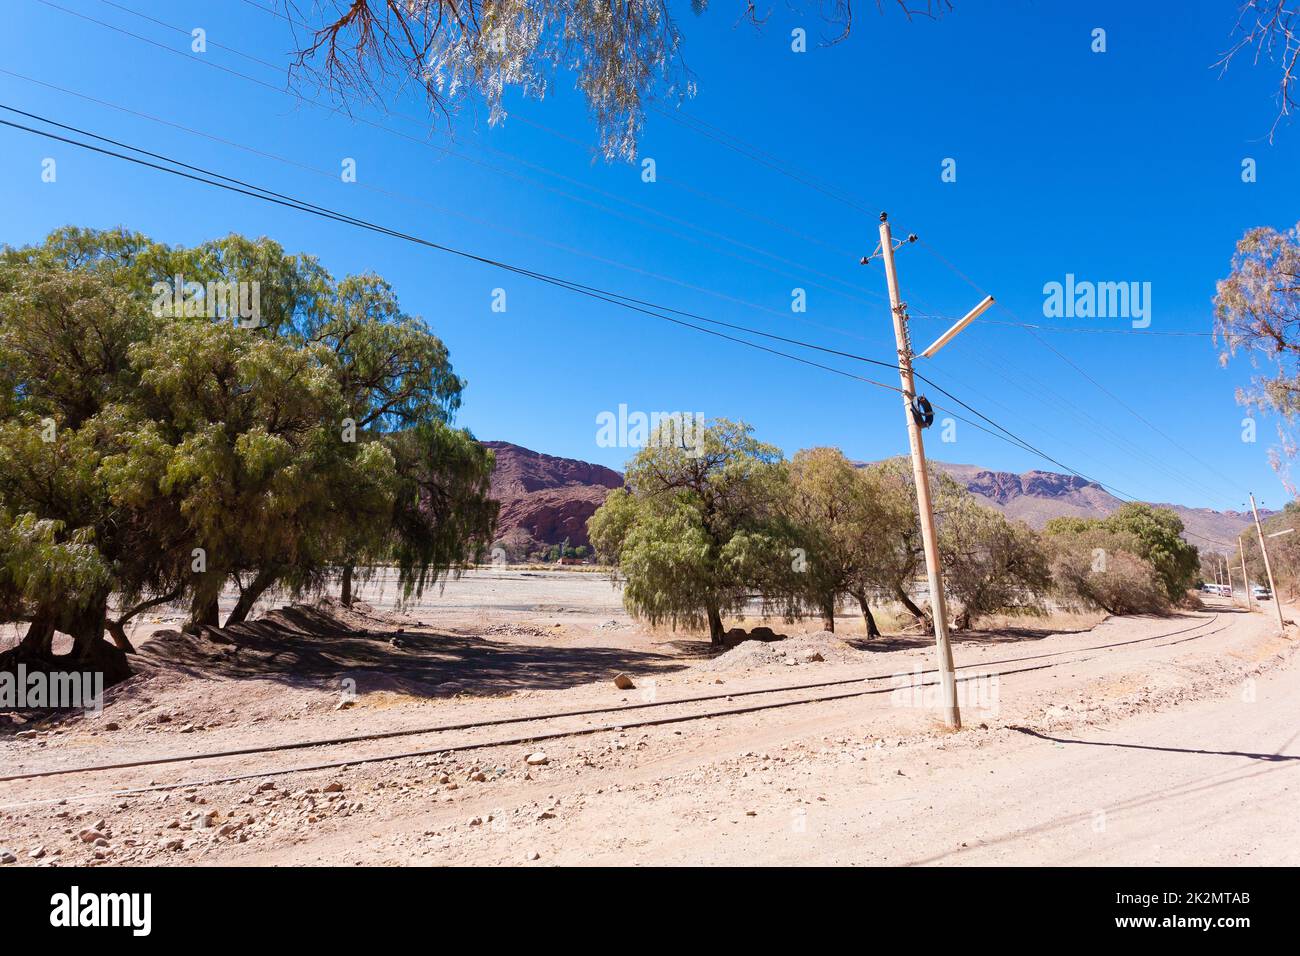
551 498
546 497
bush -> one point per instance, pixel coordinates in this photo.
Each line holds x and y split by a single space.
1092 570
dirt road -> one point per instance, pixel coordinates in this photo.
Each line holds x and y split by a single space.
1139 741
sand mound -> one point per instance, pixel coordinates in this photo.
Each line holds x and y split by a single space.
800 650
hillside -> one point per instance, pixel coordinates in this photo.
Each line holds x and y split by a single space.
545 497
1035 497
550 498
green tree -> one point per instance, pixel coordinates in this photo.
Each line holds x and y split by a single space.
991 565
1151 535
65 386
842 525
900 560
695 532
1157 533
1094 566
153 452
444 519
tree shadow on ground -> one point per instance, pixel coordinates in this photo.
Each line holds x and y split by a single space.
1022 634
910 640
308 646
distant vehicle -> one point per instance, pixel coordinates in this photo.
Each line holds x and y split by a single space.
1261 593
1220 589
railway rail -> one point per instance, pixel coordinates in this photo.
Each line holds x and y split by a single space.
659 715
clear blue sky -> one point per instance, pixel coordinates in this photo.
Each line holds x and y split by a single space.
1122 166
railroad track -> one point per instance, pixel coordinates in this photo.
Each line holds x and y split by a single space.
541 735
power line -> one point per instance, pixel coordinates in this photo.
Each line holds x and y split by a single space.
805 270
1064 358
233 184
633 304
408 197
242 187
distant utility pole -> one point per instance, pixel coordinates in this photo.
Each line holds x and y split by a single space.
1245 577
913 412
1268 568
1227 569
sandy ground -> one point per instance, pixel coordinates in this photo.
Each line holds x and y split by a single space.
1137 741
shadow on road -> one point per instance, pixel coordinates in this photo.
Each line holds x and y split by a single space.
1277 757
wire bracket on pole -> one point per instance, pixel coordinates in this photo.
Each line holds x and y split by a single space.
894 245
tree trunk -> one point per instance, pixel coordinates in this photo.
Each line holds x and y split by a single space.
915 611
86 627
250 595
867 618
715 627
345 595
204 612
153 602
90 652
828 612
39 638
117 631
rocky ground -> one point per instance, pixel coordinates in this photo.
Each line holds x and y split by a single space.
842 780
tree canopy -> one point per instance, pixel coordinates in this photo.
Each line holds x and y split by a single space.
622 56
1257 312
695 532
155 447
692 539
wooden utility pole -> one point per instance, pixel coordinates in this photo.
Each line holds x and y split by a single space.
1268 568
1227 570
1245 576
924 505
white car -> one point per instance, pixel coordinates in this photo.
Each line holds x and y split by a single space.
1260 593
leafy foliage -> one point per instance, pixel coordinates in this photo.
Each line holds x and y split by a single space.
694 535
621 55
1134 561
991 565
1257 311
155 451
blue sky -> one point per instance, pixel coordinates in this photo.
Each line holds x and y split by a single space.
1118 166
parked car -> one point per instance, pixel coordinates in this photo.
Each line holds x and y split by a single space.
1261 593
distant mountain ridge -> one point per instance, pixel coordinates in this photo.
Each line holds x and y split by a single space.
550 498
1035 497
